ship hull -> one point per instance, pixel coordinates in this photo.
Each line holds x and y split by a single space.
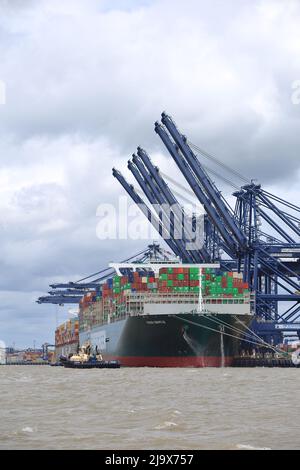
184 340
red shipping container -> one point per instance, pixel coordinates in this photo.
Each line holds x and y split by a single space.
245 285
230 274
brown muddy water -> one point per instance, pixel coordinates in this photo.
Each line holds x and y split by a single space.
149 408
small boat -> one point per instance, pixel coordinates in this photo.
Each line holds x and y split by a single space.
84 360
90 364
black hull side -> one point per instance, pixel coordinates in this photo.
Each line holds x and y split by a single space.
177 340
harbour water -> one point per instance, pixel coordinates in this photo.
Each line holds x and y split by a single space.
149 408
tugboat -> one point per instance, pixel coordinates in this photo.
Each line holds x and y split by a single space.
84 359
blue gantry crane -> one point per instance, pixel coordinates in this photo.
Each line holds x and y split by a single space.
72 292
269 259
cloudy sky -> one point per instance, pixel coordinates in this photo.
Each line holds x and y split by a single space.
85 81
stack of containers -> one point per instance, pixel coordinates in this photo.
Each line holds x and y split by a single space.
215 284
117 285
107 288
178 279
224 284
67 332
194 280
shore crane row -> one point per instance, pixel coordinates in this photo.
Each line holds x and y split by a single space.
269 259
233 237
72 292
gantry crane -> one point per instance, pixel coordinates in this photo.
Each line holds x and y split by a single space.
72 292
269 259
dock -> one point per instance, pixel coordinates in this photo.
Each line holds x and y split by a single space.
247 361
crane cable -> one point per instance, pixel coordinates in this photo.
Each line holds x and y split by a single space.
223 323
281 201
226 180
251 334
228 334
218 162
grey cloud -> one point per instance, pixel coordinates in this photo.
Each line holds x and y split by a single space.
85 83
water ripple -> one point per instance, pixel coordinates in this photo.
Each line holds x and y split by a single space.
145 408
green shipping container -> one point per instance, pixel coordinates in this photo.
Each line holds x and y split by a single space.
194 271
170 283
180 277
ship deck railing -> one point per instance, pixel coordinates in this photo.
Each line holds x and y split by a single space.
134 305
185 297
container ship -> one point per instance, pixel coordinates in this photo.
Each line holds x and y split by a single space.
67 338
161 315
